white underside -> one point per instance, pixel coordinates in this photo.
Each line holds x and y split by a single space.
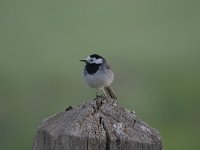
99 79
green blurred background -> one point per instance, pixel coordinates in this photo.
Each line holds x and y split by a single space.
152 46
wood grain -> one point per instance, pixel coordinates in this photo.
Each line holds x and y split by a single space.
99 124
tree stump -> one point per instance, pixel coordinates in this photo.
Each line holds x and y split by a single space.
99 124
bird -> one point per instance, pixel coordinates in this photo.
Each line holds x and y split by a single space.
98 74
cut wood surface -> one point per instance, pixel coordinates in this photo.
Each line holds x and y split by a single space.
99 124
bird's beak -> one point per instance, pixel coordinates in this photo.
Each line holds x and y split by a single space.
83 60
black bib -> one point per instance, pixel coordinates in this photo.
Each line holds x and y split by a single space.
92 68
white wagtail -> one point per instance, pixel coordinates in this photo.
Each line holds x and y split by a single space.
98 74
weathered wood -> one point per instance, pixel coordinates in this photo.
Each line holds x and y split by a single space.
99 124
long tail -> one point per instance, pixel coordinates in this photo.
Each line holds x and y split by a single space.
109 92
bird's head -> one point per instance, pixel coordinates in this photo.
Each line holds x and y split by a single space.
94 59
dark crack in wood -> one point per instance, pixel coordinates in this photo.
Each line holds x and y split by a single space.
108 134
118 143
99 103
100 120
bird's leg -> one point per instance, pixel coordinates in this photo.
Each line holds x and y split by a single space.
100 96
104 92
103 95
97 93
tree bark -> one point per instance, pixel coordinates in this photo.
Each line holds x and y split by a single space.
99 124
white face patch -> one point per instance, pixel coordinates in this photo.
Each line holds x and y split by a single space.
93 60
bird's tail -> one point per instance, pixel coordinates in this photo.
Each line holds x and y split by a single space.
109 92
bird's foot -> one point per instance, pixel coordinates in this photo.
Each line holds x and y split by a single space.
100 96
